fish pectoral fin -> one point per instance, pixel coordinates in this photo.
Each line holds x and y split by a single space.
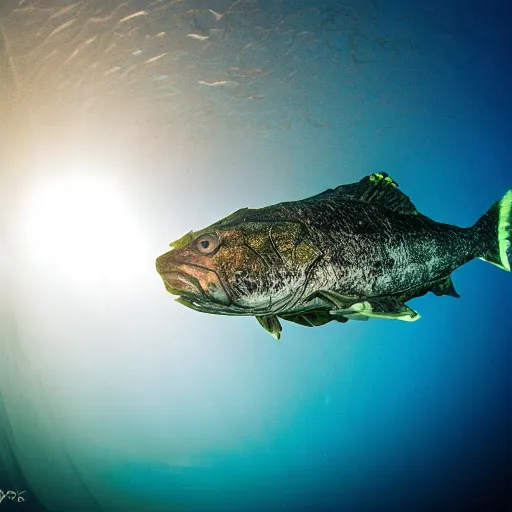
338 300
356 311
312 318
383 307
346 307
444 287
346 315
271 324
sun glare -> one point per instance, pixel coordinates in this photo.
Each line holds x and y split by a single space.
82 230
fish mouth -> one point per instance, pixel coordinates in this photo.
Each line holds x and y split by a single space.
179 283
192 295
194 282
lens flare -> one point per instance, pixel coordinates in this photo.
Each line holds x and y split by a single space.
82 231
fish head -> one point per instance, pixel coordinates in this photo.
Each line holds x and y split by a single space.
190 270
241 265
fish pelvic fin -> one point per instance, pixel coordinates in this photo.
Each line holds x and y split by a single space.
271 324
494 233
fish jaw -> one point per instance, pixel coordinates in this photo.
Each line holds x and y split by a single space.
191 280
179 283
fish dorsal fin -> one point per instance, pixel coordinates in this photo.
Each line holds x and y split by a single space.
378 188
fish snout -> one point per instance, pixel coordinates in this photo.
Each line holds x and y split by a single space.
164 263
181 277
175 281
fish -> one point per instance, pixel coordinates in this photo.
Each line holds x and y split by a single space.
355 252
198 37
220 83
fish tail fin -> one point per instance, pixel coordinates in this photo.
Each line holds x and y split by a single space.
494 233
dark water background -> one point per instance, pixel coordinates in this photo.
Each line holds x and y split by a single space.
113 397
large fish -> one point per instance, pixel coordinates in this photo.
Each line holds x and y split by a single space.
358 251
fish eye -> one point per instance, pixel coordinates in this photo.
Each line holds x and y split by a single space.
206 244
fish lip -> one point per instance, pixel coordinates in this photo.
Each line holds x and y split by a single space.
225 288
179 283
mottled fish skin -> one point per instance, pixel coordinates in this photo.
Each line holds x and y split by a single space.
357 251
370 251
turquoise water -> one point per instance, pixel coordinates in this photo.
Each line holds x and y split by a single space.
127 125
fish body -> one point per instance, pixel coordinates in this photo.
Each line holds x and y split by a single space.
358 251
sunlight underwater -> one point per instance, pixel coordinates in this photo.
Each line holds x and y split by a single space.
126 125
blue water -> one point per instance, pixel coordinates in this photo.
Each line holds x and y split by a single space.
117 398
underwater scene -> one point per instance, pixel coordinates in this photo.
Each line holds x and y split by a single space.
255 256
